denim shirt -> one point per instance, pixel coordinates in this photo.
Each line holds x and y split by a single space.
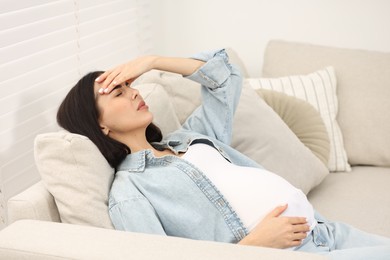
170 196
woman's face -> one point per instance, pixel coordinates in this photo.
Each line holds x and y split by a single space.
123 112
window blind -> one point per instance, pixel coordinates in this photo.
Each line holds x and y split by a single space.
45 47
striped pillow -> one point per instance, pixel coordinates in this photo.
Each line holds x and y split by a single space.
319 89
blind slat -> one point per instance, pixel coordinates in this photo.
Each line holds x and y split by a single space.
25 80
29 31
23 49
9 6
32 108
34 14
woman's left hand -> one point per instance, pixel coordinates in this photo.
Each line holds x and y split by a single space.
126 72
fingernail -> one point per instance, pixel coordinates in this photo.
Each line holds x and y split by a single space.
106 90
101 90
97 79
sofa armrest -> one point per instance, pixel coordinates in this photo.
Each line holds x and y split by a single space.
31 239
33 203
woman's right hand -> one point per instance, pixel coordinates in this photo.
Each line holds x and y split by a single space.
278 231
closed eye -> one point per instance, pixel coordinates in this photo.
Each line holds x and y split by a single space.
117 91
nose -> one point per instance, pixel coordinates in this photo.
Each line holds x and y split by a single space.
134 93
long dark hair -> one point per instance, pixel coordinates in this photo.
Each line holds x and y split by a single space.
78 114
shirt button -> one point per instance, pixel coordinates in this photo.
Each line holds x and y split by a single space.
195 174
221 202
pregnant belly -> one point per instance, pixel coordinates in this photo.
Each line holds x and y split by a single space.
253 193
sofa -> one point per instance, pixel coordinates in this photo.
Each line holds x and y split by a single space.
318 117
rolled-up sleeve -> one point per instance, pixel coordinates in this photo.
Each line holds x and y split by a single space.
221 89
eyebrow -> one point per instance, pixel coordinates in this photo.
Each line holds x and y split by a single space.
116 87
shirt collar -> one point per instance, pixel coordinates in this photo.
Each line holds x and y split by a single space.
134 162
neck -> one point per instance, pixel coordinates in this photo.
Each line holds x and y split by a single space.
136 141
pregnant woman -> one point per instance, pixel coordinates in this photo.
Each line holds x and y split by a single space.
191 183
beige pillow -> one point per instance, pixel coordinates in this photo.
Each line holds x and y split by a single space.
261 134
319 89
77 175
303 119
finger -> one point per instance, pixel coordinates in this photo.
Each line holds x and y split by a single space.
277 211
301 228
122 77
299 236
110 82
297 220
295 243
102 77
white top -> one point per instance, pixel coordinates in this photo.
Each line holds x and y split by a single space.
251 192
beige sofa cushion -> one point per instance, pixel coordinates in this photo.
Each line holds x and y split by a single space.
261 134
318 89
363 80
77 175
360 198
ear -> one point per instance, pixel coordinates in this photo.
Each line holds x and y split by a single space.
105 129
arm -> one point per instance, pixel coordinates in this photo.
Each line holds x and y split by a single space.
277 231
221 87
129 71
136 214
221 90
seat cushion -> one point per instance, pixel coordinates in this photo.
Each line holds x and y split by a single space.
360 198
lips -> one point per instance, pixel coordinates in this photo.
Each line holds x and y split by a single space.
142 105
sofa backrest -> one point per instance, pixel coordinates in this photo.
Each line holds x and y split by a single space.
363 90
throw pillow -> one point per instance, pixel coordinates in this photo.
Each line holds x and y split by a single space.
319 89
303 119
262 135
77 175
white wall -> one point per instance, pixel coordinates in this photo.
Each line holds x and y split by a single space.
187 26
